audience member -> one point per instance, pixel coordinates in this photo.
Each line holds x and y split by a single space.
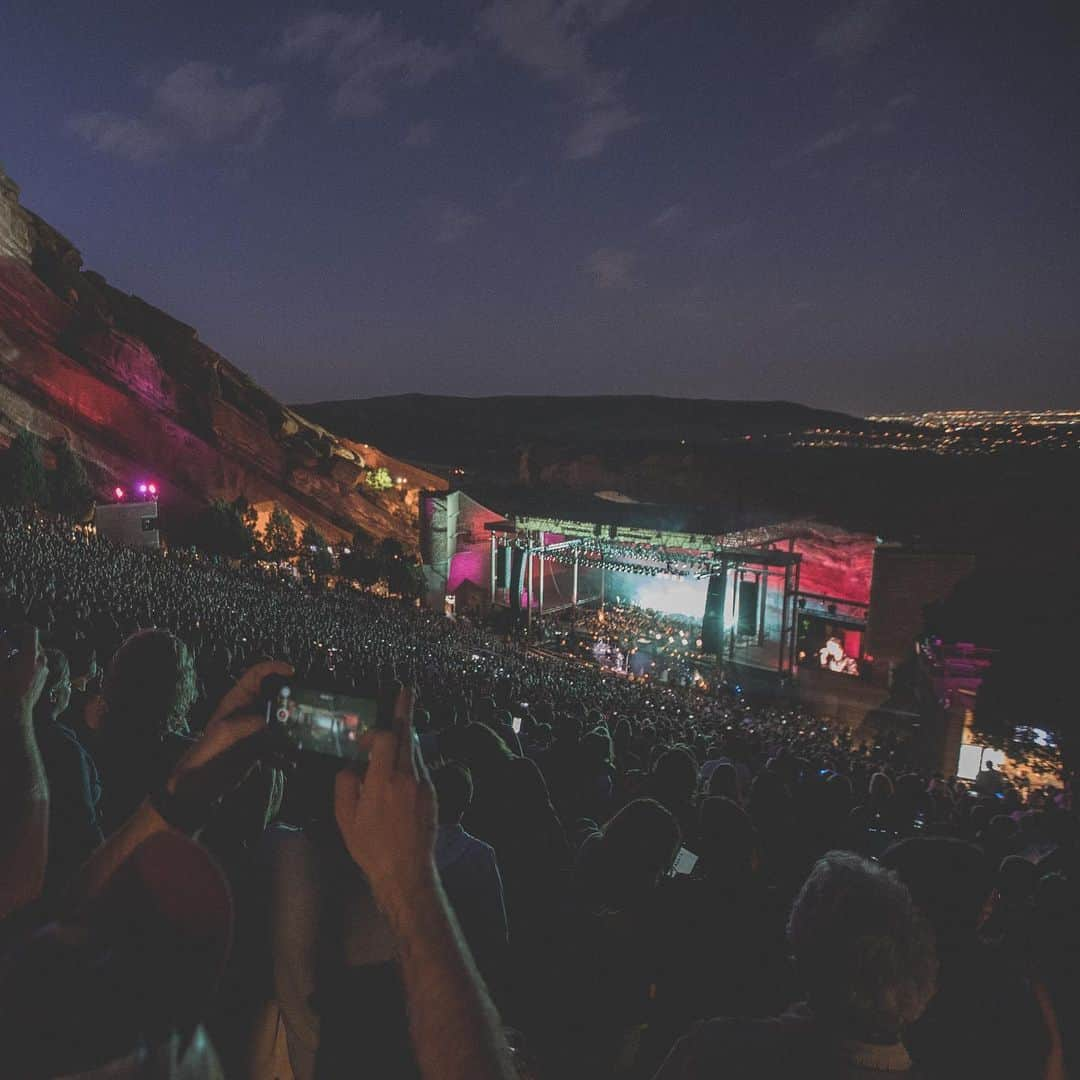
602 943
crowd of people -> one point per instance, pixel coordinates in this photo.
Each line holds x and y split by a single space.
546 870
638 641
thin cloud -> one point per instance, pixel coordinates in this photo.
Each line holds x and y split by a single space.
197 103
829 141
797 309
552 39
597 127
849 35
365 59
822 144
727 236
611 268
419 135
453 223
202 101
125 137
696 305
670 215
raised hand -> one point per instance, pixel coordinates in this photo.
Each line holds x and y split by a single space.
387 818
235 738
23 672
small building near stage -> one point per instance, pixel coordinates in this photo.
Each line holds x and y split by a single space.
133 524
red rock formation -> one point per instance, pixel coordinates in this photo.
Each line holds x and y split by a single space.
136 393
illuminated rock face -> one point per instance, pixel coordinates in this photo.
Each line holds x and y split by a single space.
136 393
837 565
14 232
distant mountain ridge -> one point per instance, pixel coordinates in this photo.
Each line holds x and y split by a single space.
467 431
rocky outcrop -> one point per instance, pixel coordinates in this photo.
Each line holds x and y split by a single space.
137 393
14 230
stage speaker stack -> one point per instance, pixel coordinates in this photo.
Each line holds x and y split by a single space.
712 626
748 608
517 577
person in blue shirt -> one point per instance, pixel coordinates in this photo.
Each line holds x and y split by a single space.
469 873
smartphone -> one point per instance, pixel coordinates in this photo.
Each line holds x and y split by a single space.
321 722
515 723
685 862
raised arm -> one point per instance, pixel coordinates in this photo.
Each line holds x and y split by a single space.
24 792
215 765
388 824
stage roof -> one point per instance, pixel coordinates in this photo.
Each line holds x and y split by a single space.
667 525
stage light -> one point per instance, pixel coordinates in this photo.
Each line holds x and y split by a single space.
152 488
118 492
142 489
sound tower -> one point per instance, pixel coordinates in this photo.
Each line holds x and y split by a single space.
517 577
748 608
502 566
712 626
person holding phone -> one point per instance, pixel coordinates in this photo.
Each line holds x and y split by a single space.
388 822
24 791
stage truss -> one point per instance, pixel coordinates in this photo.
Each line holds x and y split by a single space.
730 558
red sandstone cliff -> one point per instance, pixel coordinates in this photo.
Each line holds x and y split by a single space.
136 393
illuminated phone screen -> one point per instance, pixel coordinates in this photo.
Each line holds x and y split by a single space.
322 722
685 861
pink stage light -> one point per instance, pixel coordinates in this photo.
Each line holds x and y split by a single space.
118 492
152 488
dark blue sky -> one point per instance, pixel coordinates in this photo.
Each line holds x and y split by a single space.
870 205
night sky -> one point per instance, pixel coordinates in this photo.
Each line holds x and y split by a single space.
868 206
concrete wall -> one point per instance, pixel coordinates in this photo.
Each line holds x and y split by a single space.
455 548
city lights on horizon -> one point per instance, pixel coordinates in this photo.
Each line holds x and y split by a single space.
955 431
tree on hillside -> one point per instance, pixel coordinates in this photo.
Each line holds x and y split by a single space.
362 568
224 528
314 550
23 480
405 577
362 542
70 492
1031 680
378 479
249 516
311 537
1032 685
390 550
279 536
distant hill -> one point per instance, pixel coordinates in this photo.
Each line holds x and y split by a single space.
555 454
469 432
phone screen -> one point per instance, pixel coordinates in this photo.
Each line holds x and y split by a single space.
322 722
515 723
685 861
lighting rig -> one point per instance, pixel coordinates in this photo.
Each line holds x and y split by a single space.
143 490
